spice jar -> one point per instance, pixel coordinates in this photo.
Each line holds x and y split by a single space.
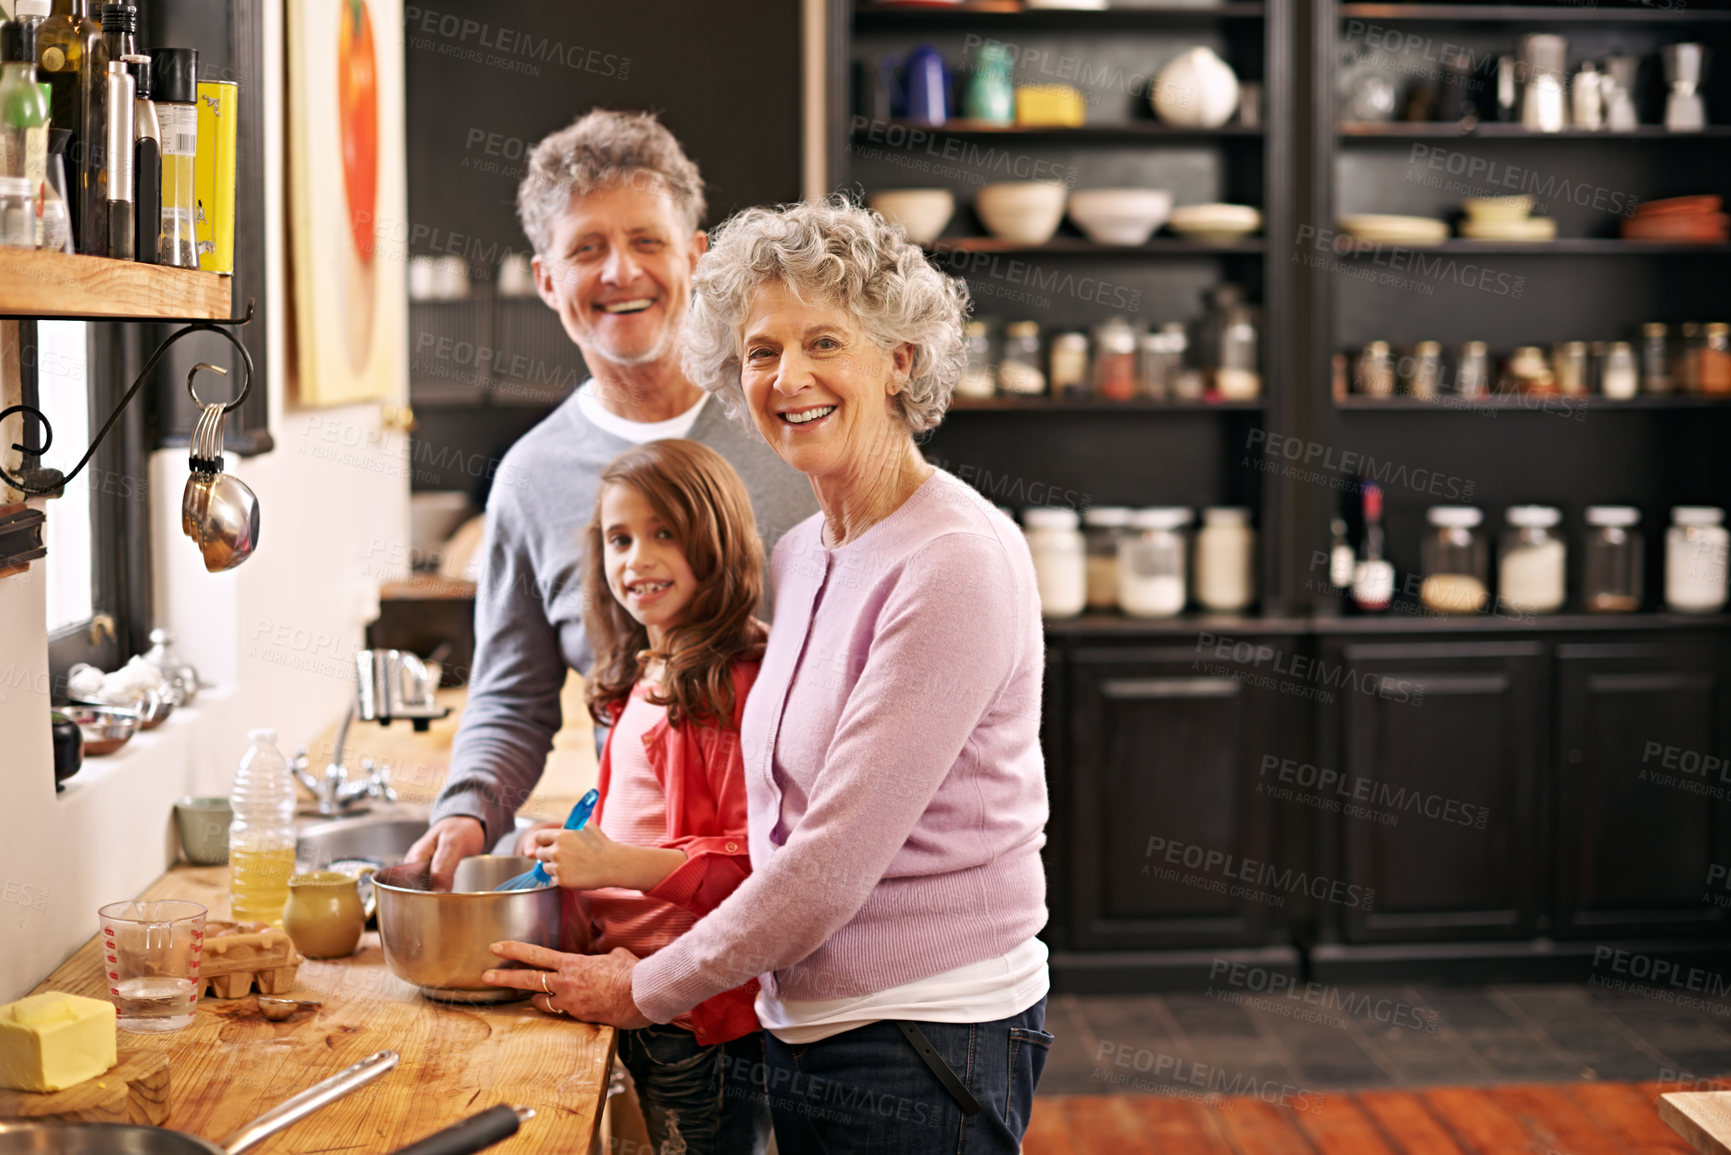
1225 560
1374 376
1655 359
1455 561
1070 365
1715 368
1529 372
1157 361
979 375
1237 377
1473 373
1569 365
1115 360
1689 346
1695 559
1102 529
1534 560
1019 371
1611 560
1619 379
1420 373
1060 560
1151 563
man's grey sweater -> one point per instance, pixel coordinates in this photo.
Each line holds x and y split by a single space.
529 601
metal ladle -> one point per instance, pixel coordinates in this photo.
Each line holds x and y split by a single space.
218 511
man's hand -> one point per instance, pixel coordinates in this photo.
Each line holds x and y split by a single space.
449 842
590 988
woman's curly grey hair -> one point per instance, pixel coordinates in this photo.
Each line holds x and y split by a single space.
598 150
839 253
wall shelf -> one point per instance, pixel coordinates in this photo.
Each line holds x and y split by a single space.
1532 403
1098 405
1129 130
1564 247
895 18
59 285
1679 14
1498 130
1062 246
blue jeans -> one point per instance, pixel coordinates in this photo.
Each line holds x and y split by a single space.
867 1090
681 1085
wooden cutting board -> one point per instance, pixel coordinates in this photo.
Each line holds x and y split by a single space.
1701 1117
134 1091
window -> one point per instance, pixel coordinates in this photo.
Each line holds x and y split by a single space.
63 394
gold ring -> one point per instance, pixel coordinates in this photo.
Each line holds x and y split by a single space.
544 985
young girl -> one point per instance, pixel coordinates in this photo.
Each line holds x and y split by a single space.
674 573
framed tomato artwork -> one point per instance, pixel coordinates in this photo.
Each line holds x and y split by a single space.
348 224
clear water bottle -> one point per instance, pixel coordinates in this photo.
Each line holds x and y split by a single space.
261 842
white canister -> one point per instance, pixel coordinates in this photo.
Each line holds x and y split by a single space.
1695 559
1225 560
1152 563
1196 89
1531 577
1060 560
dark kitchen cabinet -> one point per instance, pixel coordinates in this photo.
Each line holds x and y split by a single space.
1163 752
1437 806
1642 788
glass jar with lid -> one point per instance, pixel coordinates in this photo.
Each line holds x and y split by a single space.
1103 527
1060 560
1225 560
980 373
1473 370
1532 575
1420 372
1152 563
1715 369
1619 378
1691 340
1374 376
1019 372
1570 364
1656 359
1455 561
1237 376
1611 560
1069 376
1115 360
1695 559
1156 363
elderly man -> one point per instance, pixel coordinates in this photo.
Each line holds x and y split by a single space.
613 207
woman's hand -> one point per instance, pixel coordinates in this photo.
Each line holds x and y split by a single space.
589 988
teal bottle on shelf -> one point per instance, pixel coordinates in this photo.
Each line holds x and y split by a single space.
991 94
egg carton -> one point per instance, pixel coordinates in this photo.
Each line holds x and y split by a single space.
238 955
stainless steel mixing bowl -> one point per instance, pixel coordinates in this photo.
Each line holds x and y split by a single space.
438 941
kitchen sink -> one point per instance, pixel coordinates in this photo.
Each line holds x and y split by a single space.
382 836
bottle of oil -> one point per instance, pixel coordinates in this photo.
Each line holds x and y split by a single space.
72 58
261 842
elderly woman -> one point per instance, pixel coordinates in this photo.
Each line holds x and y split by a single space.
893 769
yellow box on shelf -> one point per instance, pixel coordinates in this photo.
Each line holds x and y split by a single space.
52 1041
1050 106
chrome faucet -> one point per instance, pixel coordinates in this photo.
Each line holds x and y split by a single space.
334 793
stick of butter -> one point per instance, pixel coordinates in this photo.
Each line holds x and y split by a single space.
51 1041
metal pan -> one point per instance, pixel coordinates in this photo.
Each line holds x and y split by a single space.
52 1138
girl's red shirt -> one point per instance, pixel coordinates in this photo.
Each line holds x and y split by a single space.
702 774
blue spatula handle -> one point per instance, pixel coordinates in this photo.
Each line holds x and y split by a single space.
579 815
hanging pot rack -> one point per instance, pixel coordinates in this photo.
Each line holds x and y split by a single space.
48 482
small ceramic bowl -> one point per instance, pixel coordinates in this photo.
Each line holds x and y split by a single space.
1023 212
1487 209
921 212
1119 216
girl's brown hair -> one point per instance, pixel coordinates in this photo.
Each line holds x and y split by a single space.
698 496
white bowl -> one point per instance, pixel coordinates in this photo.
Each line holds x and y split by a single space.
1023 212
1215 222
921 212
1120 216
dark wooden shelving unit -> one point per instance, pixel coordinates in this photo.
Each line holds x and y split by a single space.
1561 247
1679 14
1496 130
896 18
1081 247
1098 405
1126 131
1534 403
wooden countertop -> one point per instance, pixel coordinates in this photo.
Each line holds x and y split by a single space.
231 1065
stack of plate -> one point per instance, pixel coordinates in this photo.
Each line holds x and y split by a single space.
1383 229
1216 223
1505 219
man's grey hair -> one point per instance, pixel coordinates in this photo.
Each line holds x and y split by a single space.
840 254
600 150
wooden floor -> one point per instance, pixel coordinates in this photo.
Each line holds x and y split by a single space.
1541 1119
